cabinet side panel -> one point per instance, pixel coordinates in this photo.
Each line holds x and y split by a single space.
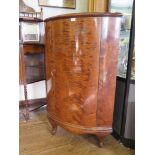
108 70
50 67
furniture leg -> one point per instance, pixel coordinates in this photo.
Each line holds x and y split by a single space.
101 138
54 126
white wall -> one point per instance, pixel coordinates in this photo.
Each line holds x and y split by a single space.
81 6
37 90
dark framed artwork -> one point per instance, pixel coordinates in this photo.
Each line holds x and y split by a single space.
70 4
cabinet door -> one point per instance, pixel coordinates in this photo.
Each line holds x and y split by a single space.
72 54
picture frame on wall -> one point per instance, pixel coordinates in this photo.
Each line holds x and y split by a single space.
70 4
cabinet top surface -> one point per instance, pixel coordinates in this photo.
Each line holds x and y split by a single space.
88 14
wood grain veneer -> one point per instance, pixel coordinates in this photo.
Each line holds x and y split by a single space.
81 64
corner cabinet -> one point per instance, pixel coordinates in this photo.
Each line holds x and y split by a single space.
81 67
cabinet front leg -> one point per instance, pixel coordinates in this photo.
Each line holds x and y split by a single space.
54 130
54 126
101 138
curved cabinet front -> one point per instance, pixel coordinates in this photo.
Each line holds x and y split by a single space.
81 67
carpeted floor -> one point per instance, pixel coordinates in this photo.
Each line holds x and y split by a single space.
36 139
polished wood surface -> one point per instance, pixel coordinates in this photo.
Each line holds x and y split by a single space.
21 66
81 64
86 14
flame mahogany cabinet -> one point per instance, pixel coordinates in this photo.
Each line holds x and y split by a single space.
81 53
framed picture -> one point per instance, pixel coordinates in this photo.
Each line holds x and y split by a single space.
70 4
30 32
123 6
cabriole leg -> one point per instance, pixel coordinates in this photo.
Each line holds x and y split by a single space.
101 138
54 126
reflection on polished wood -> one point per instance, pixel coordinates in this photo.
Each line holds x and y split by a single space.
81 65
